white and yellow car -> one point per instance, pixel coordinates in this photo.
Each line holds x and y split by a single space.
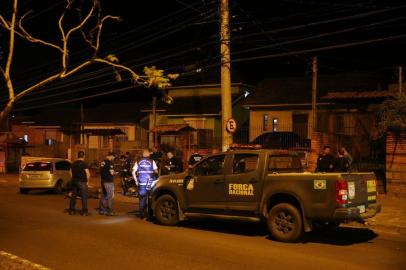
45 173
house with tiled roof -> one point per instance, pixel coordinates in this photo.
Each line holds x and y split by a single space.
346 108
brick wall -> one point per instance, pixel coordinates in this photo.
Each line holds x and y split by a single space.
396 164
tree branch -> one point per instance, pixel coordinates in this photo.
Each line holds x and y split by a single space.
63 34
11 52
90 40
3 74
30 38
136 78
100 26
4 23
76 69
37 85
82 23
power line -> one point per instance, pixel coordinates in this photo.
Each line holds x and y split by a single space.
300 26
78 99
346 30
320 49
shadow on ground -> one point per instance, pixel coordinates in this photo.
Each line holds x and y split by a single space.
227 226
341 236
92 194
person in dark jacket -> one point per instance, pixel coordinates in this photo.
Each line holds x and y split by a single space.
194 158
173 165
80 179
325 161
107 181
342 163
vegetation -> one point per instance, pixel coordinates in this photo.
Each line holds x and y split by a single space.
392 114
89 27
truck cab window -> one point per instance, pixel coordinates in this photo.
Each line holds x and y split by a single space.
245 163
284 164
210 166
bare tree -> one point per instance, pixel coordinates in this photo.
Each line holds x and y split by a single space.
90 27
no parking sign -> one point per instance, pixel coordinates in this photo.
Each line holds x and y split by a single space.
231 125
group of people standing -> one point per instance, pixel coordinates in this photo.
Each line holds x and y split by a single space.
326 162
144 171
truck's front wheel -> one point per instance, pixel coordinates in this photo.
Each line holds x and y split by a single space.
166 210
285 222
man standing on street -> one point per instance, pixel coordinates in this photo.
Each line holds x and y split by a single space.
325 161
194 158
143 173
174 165
107 182
80 179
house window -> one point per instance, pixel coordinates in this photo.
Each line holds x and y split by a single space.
49 142
275 124
265 123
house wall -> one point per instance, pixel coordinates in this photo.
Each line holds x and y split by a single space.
136 137
396 164
37 135
257 122
199 91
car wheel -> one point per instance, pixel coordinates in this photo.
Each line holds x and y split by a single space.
166 211
285 223
59 187
24 190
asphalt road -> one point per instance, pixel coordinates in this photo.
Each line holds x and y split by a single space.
35 227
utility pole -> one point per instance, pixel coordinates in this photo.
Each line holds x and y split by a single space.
82 125
226 109
314 93
155 137
400 79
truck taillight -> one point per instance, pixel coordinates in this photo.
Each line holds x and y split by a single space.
341 191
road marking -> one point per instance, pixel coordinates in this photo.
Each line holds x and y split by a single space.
23 261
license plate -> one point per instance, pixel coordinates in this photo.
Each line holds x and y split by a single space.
361 208
351 190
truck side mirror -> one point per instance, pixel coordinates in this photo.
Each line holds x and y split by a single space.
186 180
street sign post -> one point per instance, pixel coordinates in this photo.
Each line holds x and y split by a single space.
231 125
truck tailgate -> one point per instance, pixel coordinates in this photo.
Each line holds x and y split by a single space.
361 189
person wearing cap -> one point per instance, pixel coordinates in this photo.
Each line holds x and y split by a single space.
107 182
143 172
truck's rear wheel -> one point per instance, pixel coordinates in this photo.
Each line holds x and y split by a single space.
166 210
285 223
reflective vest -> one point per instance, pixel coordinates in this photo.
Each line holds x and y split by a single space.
145 170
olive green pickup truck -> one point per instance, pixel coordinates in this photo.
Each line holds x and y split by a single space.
265 185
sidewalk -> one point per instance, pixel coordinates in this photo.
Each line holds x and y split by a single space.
392 217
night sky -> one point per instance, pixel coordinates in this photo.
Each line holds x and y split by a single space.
269 39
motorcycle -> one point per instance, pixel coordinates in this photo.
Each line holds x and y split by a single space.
128 184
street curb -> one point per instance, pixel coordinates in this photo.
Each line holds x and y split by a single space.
24 263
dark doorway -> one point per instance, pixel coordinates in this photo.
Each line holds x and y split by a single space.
300 122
